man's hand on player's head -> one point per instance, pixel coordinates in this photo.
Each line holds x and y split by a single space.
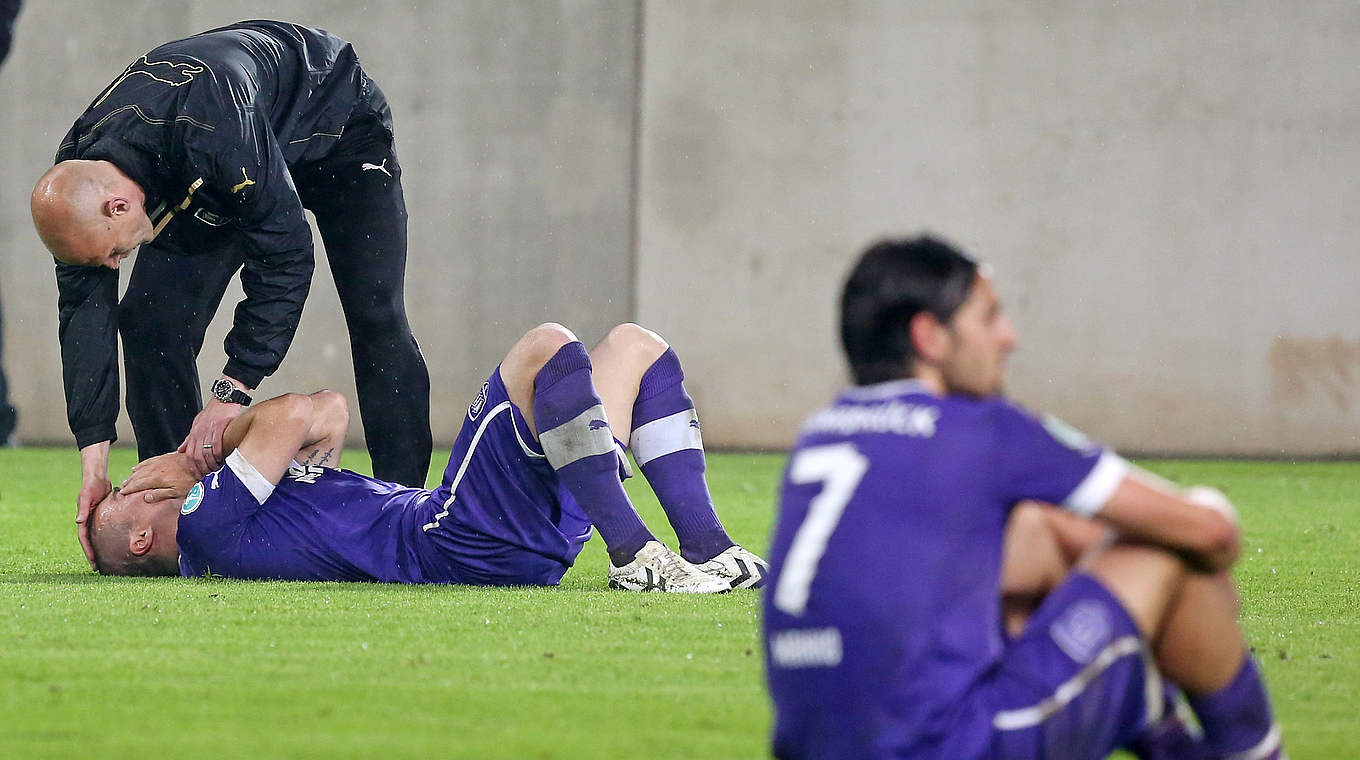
203 446
92 491
94 486
168 476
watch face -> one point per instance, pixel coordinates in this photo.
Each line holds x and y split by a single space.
221 389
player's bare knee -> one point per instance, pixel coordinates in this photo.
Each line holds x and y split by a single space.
635 340
541 343
1145 579
528 356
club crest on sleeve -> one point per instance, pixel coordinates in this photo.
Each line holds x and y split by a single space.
479 403
192 501
1083 630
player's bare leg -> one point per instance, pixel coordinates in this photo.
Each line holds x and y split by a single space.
548 376
1042 545
1190 619
642 383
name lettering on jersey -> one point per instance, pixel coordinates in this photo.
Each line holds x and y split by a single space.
305 473
806 648
192 501
895 417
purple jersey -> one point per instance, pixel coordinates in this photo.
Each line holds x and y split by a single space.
500 516
318 523
884 604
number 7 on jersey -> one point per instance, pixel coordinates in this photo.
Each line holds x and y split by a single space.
840 468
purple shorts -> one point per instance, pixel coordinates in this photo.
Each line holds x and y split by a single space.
1078 683
506 519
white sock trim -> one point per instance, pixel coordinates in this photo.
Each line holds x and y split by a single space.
585 435
1267 745
667 435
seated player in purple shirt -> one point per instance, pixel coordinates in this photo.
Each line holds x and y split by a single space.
539 462
884 627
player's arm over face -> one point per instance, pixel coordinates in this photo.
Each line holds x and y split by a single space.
310 429
1199 524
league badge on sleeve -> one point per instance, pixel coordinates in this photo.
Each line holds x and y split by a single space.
1067 435
192 501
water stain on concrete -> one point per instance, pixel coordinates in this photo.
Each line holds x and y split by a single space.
1306 371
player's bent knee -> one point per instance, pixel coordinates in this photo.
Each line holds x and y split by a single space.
543 341
532 351
634 338
1145 579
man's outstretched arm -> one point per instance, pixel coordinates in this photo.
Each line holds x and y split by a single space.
310 429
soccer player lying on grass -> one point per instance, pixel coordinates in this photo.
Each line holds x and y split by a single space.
535 466
884 622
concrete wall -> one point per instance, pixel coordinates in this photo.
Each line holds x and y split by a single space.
514 126
1165 191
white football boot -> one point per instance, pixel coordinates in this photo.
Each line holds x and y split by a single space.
657 568
739 567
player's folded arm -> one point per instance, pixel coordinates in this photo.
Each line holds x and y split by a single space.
1143 507
268 436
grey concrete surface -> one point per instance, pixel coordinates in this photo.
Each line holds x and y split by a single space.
514 127
1165 191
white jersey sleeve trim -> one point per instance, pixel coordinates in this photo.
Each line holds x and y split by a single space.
1098 486
258 485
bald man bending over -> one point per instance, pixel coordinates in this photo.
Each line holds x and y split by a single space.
204 152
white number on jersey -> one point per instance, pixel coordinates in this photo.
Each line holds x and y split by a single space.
840 468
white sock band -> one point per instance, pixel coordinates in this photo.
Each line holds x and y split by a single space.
678 432
585 435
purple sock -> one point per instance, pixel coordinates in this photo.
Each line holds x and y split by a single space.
1237 718
667 446
580 446
1167 737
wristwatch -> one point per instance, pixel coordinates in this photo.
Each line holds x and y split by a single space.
223 390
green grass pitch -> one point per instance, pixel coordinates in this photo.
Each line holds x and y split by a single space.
106 667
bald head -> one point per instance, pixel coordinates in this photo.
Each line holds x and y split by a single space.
88 213
132 537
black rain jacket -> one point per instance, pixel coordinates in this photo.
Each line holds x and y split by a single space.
208 127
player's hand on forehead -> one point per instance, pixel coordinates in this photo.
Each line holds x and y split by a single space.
168 476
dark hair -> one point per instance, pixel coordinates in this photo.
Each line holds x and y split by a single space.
894 281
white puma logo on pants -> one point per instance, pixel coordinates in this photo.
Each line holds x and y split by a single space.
379 167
